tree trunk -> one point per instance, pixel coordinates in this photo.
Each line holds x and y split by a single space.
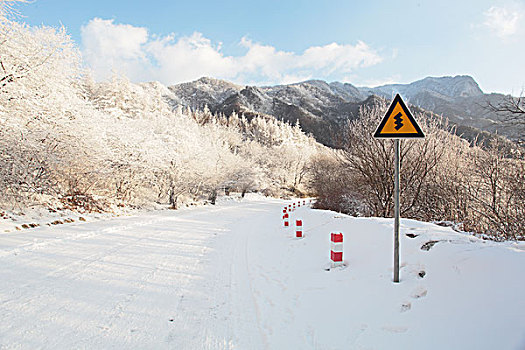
173 199
213 197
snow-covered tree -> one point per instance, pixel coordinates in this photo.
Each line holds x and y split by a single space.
66 136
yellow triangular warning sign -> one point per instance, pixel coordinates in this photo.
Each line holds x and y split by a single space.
398 122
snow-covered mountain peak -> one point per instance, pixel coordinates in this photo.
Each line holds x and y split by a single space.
444 87
204 91
215 83
457 86
322 107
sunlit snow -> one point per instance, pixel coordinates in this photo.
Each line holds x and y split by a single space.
231 277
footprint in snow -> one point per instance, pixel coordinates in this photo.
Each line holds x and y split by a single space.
419 292
427 246
406 306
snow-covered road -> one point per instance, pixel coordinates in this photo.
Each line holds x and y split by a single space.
230 277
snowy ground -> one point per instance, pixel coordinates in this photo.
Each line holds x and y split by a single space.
230 277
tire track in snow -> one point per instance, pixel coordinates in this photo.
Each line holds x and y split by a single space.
50 242
224 318
26 295
67 269
94 293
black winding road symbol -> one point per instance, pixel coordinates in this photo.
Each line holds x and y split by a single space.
398 121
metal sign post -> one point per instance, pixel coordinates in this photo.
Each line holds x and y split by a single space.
397 152
398 123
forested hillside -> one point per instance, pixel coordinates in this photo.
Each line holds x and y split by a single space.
67 138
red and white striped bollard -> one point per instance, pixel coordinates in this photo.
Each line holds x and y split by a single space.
299 228
336 249
286 223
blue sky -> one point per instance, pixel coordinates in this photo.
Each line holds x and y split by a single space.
269 42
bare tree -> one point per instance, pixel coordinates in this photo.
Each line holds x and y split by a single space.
511 108
371 163
511 111
496 188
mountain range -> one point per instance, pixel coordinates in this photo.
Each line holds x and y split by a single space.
323 108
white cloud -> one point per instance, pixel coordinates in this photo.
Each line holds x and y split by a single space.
108 46
132 51
502 21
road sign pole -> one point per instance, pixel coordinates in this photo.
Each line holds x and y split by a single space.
397 123
396 210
